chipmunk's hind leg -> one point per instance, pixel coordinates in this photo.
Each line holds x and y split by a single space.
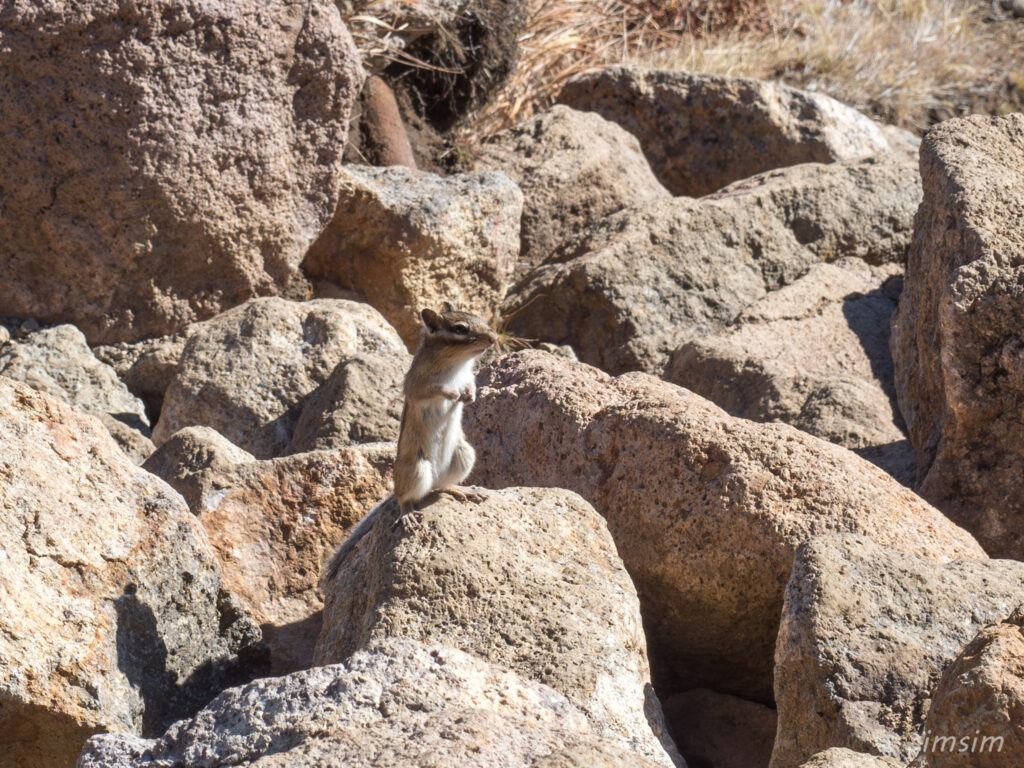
410 488
459 468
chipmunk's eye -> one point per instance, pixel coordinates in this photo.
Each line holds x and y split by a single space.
462 330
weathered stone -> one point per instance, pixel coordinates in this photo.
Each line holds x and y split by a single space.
640 283
274 523
112 611
956 336
405 239
146 367
866 632
706 510
244 373
360 402
5 335
528 579
838 757
574 168
165 161
399 704
701 132
715 729
979 703
58 361
814 354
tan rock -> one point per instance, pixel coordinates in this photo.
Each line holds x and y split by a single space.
399 704
146 367
956 336
814 354
719 730
244 373
979 703
529 580
706 510
701 132
866 633
838 757
405 239
574 168
164 162
113 615
274 524
638 284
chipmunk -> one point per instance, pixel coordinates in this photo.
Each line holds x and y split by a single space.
433 454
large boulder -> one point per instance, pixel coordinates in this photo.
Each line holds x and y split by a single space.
398 704
814 354
574 168
715 730
866 633
274 523
245 373
165 161
956 336
113 615
634 287
701 132
529 580
977 709
706 510
405 239
58 361
840 757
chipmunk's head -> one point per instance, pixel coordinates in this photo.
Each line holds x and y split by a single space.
461 333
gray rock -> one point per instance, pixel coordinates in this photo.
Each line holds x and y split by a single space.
866 633
165 161
715 729
706 509
115 616
956 336
274 523
58 361
814 354
640 283
245 373
146 367
701 132
529 580
360 402
838 757
405 239
574 168
399 704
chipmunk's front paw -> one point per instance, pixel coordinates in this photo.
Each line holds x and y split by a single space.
468 395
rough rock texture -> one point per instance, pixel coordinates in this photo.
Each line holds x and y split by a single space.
574 168
956 337
112 611
244 373
866 632
5 335
360 402
639 283
58 361
274 523
715 730
167 160
814 354
405 239
980 696
706 510
528 579
838 757
701 132
398 704
146 367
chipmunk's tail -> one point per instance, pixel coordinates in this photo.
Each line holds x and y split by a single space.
346 547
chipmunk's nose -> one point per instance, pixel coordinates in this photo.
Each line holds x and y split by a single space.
492 338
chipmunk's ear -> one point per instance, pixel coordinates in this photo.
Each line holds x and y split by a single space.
431 319
447 307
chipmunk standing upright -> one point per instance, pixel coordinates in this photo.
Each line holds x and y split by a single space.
433 453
